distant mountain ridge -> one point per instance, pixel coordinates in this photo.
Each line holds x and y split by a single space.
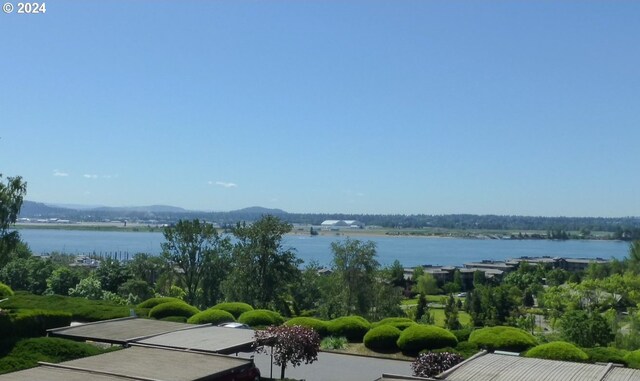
624 227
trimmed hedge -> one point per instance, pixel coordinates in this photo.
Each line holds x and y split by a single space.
502 338
419 337
234 308
172 309
27 352
211 316
606 355
633 359
34 323
382 338
558 350
152 302
175 319
352 327
261 318
320 326
398 322
81 309
5 291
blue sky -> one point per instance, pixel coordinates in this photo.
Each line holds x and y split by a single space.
436 107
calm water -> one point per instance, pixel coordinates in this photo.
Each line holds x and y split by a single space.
410 251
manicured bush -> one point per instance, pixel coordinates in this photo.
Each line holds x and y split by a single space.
81 309
558 350
5 291
382 338
419 337
466 349
27 352
317 325
431 364
173 309
234 308
352 327
150 303
606 355
33 323
462 334
398 322
502 338
211 316
261 318
633 359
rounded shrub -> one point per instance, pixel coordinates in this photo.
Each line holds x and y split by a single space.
398 322
261 318
211 316
558 350
633 359
33 323
5 291
502 338
419 337
606 355
152 302
172 309
317 325
382 338
234 308
352 327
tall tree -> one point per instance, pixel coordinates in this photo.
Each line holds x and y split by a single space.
451 313
192 246
355 265
262 268
11 196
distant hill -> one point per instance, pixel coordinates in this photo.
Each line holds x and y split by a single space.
143 209
622 227
259 210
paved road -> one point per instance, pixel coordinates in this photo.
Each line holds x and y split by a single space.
337 367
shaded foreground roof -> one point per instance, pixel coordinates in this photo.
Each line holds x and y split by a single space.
119 331
137 363
496 367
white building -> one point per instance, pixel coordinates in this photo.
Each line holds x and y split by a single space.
330 224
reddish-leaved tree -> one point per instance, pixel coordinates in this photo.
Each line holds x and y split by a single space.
290 344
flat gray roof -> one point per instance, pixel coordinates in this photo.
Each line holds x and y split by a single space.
119 331
495 367
160 364
206 338
45 373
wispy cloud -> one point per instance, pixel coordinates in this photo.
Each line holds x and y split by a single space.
86 176
224 184
60 173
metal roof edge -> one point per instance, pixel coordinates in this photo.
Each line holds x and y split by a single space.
447 372
93 371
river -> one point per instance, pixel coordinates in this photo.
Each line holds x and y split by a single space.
410 251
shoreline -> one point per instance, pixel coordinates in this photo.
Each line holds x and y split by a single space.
303 231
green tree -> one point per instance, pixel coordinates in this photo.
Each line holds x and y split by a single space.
11 196
262 268
305 290
112 274
396 275
89 288
422 308
427 285
451 313
61 280
355 266
192 246
586 329
479 278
